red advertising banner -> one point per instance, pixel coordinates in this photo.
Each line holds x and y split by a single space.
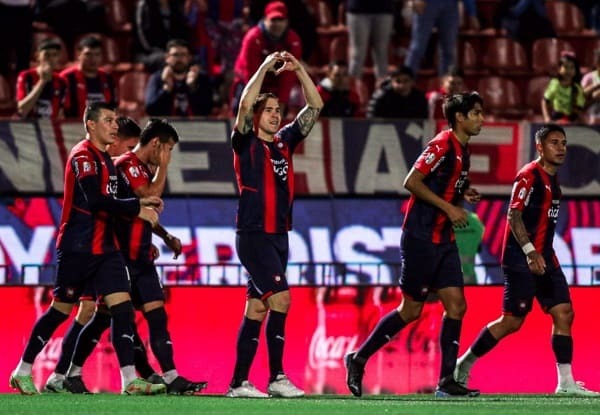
323 325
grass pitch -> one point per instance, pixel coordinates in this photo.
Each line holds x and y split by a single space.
66 404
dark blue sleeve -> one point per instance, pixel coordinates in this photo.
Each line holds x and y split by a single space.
158 101
240 141
291 134
97 201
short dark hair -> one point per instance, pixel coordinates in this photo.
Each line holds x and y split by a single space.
158 128
92 42
545 130
177 42
92 111
128 127
460 103
50 43
261 101
402 70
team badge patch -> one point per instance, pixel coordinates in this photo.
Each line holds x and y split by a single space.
134 171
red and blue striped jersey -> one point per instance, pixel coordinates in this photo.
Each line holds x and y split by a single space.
265 178
51 100
445 164
537 195
134 234
87 223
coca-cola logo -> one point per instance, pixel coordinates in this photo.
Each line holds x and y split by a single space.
329 351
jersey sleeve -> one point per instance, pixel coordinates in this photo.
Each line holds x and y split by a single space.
84 165
133 173
239 140
433 155
521 191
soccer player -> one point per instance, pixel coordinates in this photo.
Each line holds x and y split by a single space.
128 135
87 250
135 237
530 265
438 183
265 176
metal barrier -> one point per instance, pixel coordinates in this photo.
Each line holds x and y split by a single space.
298 274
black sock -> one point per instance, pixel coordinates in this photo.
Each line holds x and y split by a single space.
562 346
159 338
68 347
275 331
140 355
42 331
484 343
387 328
449 345
122 332
89 337
247 344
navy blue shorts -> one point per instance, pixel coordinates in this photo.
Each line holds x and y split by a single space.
520 287
145 284
428 267
265 256
106 273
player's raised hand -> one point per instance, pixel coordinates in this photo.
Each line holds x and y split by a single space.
164 155
290 63
154 202
472 196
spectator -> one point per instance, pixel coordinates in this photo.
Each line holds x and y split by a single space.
451 83
331 13
591 89
16 17
524 20
86 82
156 22
41 92
301 21
179 89
564 99
398 97
270 35
369 24
444 15
339 99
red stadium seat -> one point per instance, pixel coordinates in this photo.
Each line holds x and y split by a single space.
117 16
546 54
132 87
501 97
566 18
505 56
535 91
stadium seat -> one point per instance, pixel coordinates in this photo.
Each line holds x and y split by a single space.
566 18
469 62
117 16
132 87
501 97
505 56
338 49
534 93
8 106
546 54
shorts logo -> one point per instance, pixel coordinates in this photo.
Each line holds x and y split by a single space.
424 291
522 305
70 292
277 278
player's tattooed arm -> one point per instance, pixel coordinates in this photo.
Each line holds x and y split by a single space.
307 119
517 226
246 124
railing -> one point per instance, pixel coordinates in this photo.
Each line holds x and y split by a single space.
298 274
